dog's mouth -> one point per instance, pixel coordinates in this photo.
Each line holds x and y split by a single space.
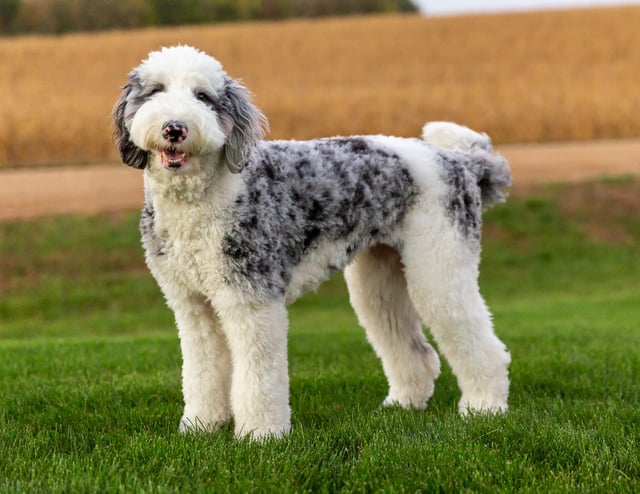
173 159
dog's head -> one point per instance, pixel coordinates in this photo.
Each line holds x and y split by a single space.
178 107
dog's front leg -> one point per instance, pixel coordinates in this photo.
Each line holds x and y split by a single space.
257 337
206 368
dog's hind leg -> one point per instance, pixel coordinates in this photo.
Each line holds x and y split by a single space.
378 293
206 368
442 277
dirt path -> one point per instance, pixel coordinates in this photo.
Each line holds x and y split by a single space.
32 193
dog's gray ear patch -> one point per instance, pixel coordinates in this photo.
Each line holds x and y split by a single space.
131 154
247 121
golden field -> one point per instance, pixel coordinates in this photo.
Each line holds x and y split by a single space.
520 77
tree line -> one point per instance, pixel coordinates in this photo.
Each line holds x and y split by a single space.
62 16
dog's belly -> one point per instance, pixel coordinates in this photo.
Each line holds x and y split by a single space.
316 268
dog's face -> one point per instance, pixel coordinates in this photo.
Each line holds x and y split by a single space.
180 109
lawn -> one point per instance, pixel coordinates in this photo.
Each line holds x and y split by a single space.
90 369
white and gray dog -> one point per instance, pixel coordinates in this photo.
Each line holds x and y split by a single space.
235 228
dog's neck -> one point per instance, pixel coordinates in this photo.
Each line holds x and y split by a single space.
209 189
185 187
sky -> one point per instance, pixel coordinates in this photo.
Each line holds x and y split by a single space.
445 7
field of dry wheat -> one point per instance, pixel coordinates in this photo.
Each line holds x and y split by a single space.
520 77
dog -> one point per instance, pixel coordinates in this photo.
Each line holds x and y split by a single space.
235 227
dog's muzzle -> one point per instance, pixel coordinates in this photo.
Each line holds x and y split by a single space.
174 131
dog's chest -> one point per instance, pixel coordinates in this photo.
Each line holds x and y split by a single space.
182 249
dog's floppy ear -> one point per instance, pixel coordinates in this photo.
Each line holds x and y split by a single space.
247 124
131 154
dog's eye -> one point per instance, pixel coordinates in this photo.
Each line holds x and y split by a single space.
204 97
154 90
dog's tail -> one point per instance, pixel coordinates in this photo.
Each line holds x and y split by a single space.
491 169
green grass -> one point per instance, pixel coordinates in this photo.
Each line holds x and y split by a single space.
90 370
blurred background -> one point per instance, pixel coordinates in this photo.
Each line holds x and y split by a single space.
325 67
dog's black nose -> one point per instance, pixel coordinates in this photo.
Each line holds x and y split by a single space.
174 131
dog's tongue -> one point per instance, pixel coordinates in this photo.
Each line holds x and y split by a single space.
172 159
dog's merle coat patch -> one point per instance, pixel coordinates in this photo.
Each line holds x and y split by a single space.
154 244
464 204
300 194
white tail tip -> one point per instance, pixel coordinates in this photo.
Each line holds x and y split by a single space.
451 136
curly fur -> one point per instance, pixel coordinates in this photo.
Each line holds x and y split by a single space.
235 227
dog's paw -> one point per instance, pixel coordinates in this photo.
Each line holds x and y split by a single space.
263 432
409 401
487 397
191 425
481 405
413 385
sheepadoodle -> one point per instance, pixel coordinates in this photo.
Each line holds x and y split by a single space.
235 228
